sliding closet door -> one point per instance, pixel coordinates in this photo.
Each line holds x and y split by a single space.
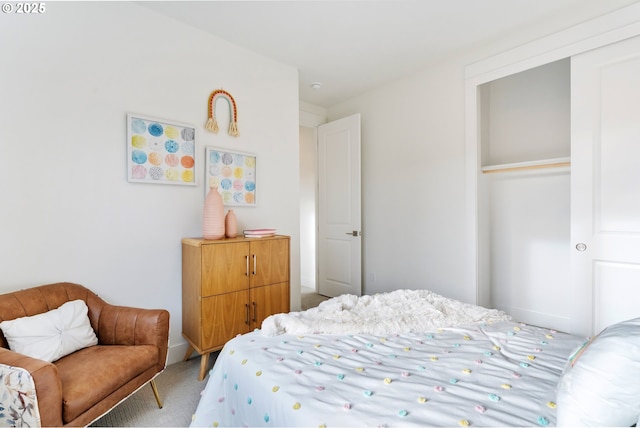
605 185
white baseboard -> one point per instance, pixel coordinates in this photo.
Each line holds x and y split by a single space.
176 353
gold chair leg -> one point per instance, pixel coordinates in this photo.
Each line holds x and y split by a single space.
155 393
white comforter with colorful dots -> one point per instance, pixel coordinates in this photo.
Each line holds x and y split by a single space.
500 374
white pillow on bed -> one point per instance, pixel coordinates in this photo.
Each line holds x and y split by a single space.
601 384
51 335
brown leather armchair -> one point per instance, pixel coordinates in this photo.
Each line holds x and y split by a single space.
81 387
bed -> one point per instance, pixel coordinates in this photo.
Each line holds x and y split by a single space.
439 363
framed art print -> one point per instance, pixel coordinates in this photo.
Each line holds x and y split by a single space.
234 174
160 151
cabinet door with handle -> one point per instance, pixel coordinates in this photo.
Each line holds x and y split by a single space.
224 317
269 261
268 300
225 268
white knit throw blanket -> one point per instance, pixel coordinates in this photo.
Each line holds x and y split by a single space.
401 311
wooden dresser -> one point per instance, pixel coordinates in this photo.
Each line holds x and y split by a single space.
229 286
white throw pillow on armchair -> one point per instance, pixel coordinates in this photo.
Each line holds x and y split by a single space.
51 335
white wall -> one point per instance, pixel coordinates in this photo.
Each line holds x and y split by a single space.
308 197
528 115
69 77
529 245
413 182
311 116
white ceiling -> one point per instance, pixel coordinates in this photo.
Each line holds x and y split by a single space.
352 46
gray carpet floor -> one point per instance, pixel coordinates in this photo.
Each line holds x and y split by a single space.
179 390
310 299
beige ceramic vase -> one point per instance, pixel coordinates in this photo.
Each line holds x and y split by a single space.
230 225
213 215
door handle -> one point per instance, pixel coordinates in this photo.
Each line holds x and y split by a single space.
246 321
354 233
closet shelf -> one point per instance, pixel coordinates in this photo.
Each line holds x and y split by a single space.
539 164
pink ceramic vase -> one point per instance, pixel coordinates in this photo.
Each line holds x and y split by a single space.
213 215
230 224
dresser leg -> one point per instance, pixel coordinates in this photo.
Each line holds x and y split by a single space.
204 363
188 354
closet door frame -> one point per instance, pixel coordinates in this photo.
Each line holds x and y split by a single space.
606 29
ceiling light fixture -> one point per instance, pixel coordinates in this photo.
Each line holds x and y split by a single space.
316 85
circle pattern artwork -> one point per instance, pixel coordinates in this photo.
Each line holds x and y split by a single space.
160 152
172 160
139 157
171 146
155 158
155 129
234 175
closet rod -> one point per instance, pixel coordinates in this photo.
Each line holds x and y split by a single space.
525 166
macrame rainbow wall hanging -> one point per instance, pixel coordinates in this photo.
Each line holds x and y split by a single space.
212 123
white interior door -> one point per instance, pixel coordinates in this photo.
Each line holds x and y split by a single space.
605 188
339 210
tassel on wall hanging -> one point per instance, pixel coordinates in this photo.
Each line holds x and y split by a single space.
212 123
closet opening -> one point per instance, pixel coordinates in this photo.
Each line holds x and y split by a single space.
524 194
